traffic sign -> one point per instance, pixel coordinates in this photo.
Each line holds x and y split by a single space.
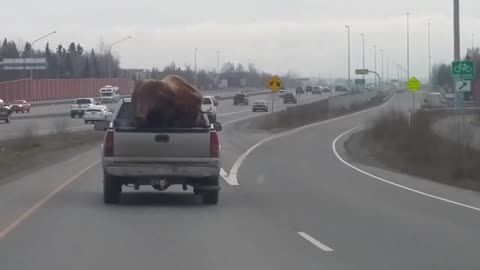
463 86
414 84
360 81
361 71
275 84
462 70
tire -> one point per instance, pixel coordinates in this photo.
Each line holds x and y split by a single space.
7 120
72 115
28 111
211 196
214 118
86 122
111 189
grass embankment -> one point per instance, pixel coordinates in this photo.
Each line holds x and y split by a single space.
30 152
302 115
417 150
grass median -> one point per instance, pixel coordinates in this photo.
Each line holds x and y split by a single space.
302 115
30 152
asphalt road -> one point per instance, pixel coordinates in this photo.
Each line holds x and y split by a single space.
23 127
297 206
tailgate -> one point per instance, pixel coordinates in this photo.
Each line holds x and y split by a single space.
174 143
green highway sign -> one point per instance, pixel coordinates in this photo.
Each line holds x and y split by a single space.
462 70
360 81
361 71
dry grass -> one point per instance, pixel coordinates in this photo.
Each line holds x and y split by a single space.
301 115
417 150
29 151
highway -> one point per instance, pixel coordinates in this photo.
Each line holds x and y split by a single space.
289 201
50 123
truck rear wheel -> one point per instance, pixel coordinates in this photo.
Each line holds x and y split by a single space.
112 189
211 196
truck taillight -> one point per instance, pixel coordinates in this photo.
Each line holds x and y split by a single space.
108 144
214 145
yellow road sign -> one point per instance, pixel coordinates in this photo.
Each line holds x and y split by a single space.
414 84
275 84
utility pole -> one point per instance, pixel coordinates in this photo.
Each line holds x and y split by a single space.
456 29
473 47
348 39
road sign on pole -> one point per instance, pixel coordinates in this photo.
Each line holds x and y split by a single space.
462 70
413 84
275 84
463 86
360 81
361 71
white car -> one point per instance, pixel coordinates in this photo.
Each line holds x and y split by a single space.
281 93
209 106
97 113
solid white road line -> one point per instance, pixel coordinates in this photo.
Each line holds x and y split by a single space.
334 148
315 242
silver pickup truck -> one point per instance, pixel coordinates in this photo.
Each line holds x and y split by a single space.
159 157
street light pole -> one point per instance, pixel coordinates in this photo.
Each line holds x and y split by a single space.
348 32
218 62
363 43
388 68
196 49
110 55
31 48
408 45
375 65
381 82
429 56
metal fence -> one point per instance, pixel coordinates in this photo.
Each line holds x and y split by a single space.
52 89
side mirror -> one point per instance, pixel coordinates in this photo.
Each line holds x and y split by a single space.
102 125
217 126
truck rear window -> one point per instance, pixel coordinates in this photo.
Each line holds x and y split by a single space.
126 117
207 101
83 101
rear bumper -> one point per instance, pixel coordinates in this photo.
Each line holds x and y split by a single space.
170 170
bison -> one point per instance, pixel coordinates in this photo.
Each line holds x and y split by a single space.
167 103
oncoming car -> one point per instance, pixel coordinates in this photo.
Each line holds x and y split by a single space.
260 105
97 113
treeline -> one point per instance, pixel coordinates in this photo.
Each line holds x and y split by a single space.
71 62
236 76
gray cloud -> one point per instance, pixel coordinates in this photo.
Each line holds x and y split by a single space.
306 36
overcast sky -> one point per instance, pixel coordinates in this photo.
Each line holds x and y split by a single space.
306 36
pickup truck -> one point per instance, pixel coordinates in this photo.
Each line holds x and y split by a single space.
209 106
80 105
160 158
